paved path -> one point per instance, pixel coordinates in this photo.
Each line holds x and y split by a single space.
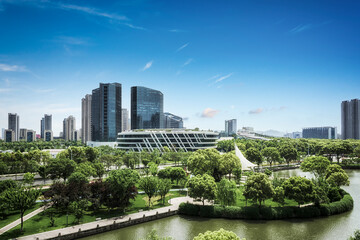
17 222
175 202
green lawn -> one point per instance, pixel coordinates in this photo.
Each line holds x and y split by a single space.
40 222
14 215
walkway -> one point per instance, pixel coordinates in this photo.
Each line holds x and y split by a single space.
175 202
26 217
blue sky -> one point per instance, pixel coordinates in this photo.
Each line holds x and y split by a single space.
278 65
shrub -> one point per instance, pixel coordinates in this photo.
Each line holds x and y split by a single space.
189 209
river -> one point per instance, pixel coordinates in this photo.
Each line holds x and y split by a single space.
336 227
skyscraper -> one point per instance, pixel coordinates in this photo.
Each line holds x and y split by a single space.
23 134
69 126
124 120
106 112
146 108
13 124
320 132
230 127
45 124
350 119
172 121
86 118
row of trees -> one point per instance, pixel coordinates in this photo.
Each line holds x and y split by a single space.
24 146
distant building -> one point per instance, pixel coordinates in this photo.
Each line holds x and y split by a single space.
230 127
45 124
13 124
30 136
320 132
106 112
172 121
48 135
149 140
3 133
125 120
9 135
293 135
69 126
350 119
23 134
147 108
77 135
86 118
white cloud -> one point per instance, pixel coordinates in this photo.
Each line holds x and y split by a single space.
188 62
209 113
71 40
12 68
256 111
223 77
147 65
182 47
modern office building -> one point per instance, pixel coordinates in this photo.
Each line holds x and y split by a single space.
230 127
106 112
77 135
69 126
30 136
48 135
149 140
86 118
9 135
45 124
172 121
125 120
350 119
13 124
320 132
147 108
23 134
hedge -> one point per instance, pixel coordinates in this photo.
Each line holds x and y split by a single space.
268 213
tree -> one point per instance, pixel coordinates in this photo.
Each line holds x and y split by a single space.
130 159
164 188
150 185
279 195
315 164
258 188
121 187
42 171
226 193
299 189
28 178
336 176
108 160
254 155
86 168
176 174
153 168
289 153
91 154
356 235
99 170
78 208
61 168
271 155
237 173
205 161
220 234
203 187
164 173
229 162
21 199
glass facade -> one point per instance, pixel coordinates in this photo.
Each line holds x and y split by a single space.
147 108
106 112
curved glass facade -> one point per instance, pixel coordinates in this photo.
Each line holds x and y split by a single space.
147 108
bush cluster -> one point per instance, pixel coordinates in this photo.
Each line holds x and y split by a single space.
268 213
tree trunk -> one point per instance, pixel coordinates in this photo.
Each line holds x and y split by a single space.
22 221
203 200
229 176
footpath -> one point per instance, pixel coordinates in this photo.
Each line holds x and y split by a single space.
109 224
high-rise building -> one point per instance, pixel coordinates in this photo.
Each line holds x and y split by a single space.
13 124
124 120
320 132
230 127
86 118
30 136
23 134
350 119
147 108
172 121
106 112
45 124
9 135
69 126
48 135
77 135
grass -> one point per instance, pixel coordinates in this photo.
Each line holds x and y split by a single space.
41 222
14 215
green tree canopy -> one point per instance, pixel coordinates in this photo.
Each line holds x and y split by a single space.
203 187
315 164
61 168
254 155
271 155
258 188
226 193
205 161
228 163
299 189
217 235
150 185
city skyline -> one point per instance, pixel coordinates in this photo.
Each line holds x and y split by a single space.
270 65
